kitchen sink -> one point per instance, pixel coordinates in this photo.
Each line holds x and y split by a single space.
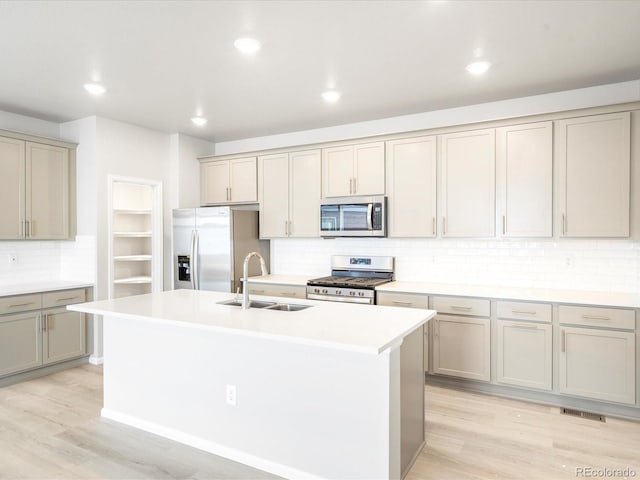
252 303
287 307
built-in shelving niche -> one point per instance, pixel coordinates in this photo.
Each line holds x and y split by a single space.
135 237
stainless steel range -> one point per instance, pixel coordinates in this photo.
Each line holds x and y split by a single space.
353 279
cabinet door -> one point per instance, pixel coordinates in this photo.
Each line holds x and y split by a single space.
214 183
12 196
368 175
461 347
411 187
304 194
20 342
524 354
64 335
273 188
244 181
468 184
47 191
337 171
593 155
524 172
598 364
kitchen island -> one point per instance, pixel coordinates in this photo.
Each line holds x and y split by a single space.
331 391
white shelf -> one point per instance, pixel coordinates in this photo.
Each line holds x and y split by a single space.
125 211
131 234
133 258
130 280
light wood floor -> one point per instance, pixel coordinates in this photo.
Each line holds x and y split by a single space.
50 428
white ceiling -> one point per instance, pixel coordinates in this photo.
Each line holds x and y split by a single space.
164 61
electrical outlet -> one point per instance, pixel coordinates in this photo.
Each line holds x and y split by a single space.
231 395
569 261
13 259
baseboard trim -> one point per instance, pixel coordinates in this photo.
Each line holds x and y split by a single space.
42 371
209 446
93 360
545 398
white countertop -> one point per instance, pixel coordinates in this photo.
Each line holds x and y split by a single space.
37 287
298 280
359 328
582 297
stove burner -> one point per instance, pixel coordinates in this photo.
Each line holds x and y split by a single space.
348 282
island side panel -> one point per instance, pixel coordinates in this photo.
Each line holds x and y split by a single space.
301 411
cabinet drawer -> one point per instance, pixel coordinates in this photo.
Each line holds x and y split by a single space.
462 306
292 291
597 317
20 303
407 300
63 297
540 312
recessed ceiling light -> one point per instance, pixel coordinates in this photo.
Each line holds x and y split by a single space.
331 96
247 45
478 68
94 88
199 121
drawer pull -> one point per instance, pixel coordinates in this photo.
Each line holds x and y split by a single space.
595 317
529 327
258 292
457 307
395 302
65 299
563 341
14 305
524 312
289 294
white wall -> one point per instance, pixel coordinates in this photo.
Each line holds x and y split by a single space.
185 169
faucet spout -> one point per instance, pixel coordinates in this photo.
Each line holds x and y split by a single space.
245 274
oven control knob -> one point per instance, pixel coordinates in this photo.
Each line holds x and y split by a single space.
338 292
316 290
324 290
361 294
352 293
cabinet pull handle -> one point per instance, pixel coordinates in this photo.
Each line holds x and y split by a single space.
436 329
595 317
355 185
444 225
563 341
289 294
65 299
14 305
528 327
524 312
45 322
230 194
350 185
286 228
401 303
433 226
290 231
257 292
458 307
31 223
564 228
504 224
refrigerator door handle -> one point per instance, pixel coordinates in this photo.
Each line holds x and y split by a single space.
193 260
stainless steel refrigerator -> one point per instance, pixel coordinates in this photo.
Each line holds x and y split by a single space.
209 246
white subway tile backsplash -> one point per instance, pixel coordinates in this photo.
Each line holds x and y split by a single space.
602 265
36 261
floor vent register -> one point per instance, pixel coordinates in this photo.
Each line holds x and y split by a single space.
587 415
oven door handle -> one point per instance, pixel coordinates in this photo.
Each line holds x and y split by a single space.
365 300
370 217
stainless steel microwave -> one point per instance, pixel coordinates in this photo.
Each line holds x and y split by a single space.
353 216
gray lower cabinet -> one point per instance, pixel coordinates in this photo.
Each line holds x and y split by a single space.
20 342
37 337
64 335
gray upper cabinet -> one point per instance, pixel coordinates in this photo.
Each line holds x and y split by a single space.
37 185
524 157
467 183
411 187
594 170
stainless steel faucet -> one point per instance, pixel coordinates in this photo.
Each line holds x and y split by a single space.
245 275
